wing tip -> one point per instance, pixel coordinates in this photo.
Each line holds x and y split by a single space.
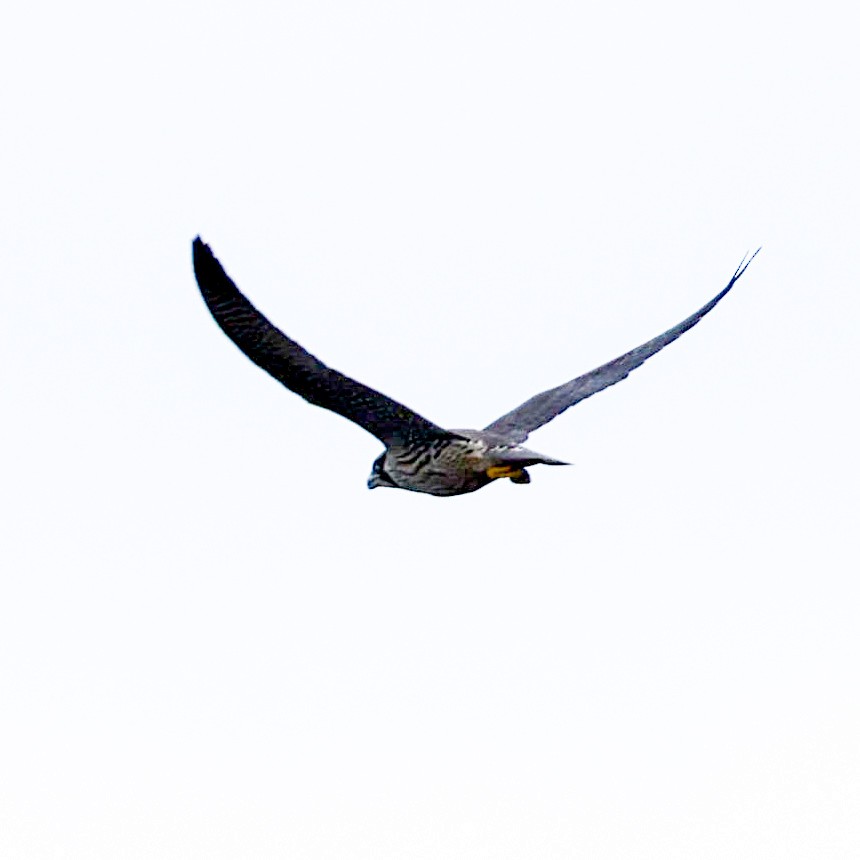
742 267
744 264
200 249
207 269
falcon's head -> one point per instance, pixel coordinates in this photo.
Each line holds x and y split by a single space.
378 476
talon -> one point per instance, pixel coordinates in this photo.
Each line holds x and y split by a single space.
504 472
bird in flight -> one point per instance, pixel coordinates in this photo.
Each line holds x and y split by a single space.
418 455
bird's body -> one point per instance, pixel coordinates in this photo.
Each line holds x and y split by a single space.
453 466
419 455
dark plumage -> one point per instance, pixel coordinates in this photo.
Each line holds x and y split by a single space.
419 455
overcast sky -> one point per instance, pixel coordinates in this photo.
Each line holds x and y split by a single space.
215 642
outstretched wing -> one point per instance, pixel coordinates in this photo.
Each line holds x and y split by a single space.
543 407
296 368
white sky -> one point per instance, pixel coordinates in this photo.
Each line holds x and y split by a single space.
216 643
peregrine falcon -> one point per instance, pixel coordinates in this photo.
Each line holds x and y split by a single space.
418 455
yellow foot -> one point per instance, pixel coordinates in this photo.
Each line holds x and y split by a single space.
504 472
